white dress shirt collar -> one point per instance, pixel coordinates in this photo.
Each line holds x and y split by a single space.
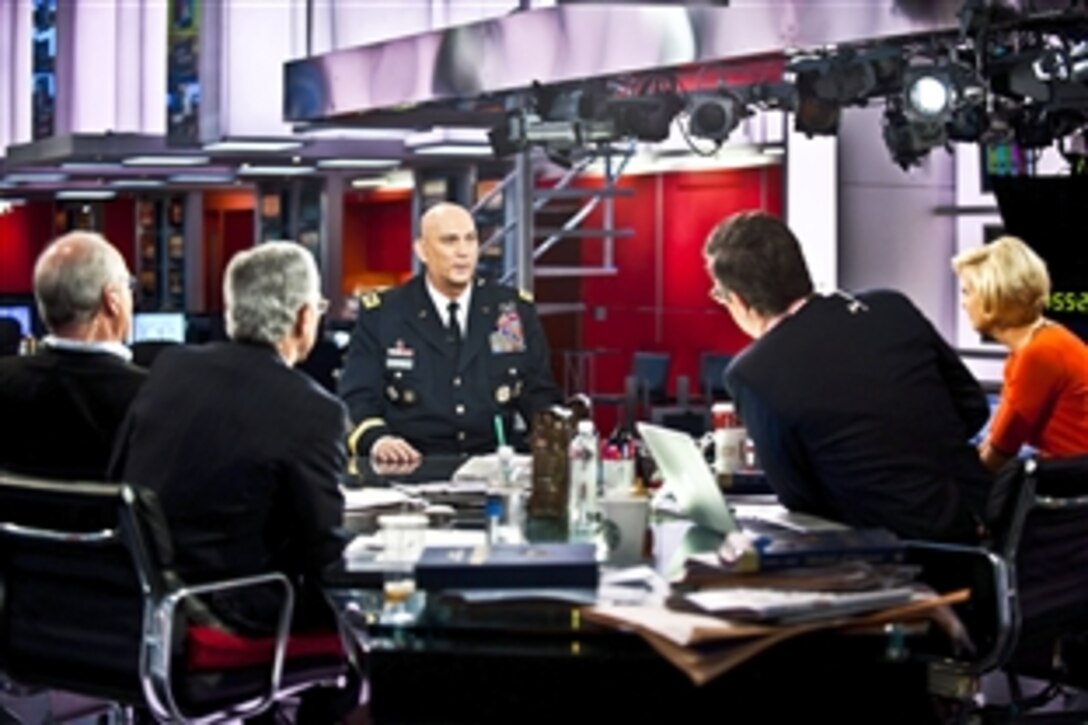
441 303
64 343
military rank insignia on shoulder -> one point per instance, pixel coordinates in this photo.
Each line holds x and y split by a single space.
370 300
525 295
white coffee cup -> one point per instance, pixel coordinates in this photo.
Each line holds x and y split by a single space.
626 519
729 449
402 536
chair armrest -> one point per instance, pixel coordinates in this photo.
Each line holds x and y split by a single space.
992 615
157 651
1059 482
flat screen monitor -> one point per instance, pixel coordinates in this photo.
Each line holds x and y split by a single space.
21 313
1047 212
158 326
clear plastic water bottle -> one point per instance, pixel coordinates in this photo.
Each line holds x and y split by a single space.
584 482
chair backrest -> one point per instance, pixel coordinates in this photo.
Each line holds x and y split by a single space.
78 573
1042 530
324 364
145 352
712 367
651 371
11 334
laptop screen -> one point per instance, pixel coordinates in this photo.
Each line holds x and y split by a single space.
688 477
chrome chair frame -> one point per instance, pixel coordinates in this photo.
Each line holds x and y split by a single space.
1003 554
160 602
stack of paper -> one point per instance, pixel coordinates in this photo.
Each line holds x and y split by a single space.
792 606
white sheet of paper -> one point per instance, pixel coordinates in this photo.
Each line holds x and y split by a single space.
781 516
362 499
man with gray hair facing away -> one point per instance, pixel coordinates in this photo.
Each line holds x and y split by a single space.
244 452
65 404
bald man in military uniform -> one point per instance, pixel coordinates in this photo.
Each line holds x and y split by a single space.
432 362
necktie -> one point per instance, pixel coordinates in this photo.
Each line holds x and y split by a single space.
454 325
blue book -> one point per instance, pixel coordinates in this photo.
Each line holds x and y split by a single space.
508 566
743 552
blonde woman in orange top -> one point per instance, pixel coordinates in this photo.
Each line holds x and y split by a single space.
1004 287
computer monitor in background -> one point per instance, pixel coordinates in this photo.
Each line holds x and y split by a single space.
21 313
1047 212
158 327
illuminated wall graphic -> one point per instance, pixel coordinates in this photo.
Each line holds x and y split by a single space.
182 77
44 98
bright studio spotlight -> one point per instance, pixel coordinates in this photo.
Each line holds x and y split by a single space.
932 92
929 97
715 116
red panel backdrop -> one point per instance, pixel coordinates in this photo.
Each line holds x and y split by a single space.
658 301
119 226
20 244
377 234
28 228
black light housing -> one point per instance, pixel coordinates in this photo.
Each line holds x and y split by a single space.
715 116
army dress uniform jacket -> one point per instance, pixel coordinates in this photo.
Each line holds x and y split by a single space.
405 374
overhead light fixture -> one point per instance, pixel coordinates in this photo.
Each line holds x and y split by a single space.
453 150
444 135
374 182
85 194
356 134
357 163
932 92
441 141
714 116
30 177
137 183
201 179
155 160
521 129
940 102
909 141
247 170
252 145
850 77
90 166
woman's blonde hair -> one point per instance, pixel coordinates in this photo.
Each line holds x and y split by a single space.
1010 280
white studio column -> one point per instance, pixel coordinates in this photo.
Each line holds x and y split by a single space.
16 83
111 66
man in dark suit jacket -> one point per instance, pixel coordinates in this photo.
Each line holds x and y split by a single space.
859 410
62 407
415 382
243 451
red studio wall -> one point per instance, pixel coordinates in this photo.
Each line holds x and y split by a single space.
24 232
658 300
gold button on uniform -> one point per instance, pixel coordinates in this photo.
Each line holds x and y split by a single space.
460 435
460 409
457 381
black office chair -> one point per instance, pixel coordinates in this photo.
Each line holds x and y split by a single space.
89 604
11 335
712 367
145 351
324 364
1029 609
651 373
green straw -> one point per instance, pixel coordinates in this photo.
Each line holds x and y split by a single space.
499 435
